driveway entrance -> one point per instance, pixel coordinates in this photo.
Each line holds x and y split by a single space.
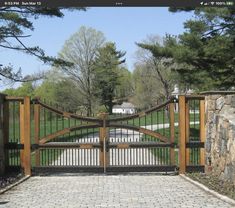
89 191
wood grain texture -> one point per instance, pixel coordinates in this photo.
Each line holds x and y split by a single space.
27 142
182 135
37 131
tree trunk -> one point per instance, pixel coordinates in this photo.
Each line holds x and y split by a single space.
109 107
89 108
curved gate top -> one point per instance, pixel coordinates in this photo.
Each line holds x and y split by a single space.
141 142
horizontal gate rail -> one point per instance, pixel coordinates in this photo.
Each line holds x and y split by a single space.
98 169
64 145
14 145
195 168
139 145
67 169
194 97
143 168
195 144
10 98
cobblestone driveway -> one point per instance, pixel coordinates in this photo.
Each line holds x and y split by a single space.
108 191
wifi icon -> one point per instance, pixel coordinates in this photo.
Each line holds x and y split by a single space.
212 3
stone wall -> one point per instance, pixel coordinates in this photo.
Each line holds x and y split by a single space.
220 135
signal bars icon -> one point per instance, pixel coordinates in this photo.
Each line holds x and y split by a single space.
207 3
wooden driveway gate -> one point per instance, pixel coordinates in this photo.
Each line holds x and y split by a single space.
168 137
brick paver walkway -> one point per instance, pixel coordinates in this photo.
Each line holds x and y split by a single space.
135 191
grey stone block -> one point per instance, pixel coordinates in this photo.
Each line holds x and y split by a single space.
208 144
233 101
219 103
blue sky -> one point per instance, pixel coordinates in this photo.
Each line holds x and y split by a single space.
124 26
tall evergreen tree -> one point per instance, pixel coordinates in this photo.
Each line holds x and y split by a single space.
205 51
107 74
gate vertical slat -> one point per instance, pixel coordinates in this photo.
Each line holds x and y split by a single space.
22 132
202 131
37 131
187 130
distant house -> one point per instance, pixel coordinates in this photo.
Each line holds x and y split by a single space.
124 108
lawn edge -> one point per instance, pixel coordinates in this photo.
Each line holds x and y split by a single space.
14 184
206 189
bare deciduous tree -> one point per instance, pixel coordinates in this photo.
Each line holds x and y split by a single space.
161 66
80 50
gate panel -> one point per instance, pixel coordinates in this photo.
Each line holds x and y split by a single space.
195 133
140 142
65 141
144 141
12 134
132 154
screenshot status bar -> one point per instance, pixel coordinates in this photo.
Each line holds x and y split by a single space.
117 3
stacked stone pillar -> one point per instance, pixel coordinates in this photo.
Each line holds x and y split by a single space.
220 135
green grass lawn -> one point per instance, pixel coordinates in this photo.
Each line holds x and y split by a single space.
154 118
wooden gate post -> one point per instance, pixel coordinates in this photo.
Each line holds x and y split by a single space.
182 134
25 155
202 131
37 131
103 133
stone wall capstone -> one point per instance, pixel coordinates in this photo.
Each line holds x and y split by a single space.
220 135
